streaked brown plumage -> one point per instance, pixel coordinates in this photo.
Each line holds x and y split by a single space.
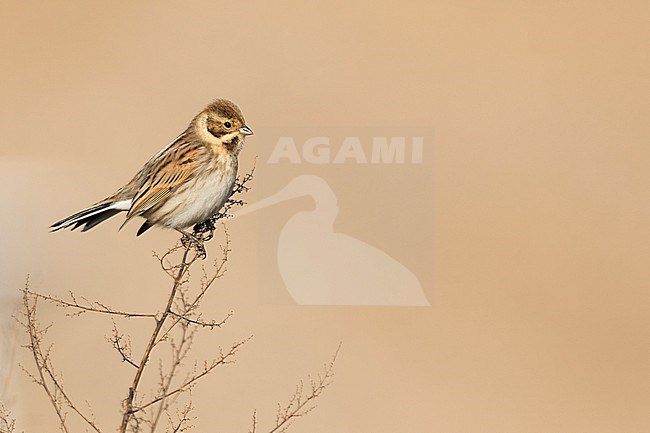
185 183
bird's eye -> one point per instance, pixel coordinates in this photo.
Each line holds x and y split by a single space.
227 125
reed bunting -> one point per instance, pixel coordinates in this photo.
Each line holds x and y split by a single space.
185 183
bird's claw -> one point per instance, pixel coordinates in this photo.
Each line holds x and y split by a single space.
189 241
205 230
200 250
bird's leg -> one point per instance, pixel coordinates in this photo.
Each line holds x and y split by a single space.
189 239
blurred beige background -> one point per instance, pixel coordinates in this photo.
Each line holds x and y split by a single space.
539 318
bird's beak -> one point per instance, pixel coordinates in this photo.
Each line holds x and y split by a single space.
245 130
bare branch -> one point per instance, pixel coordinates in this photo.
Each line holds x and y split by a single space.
179 353
187 307
211 324
122 344
89 306
128 404
7 423
46 376
302 401
207 369
183 419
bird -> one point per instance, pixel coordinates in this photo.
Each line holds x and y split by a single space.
184 184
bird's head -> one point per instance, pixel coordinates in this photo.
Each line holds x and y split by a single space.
222 124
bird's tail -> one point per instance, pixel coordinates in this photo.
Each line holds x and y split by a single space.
89 218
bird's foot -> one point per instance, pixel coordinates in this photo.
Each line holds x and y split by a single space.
204 230
189 241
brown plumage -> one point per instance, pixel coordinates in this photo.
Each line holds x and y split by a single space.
185 183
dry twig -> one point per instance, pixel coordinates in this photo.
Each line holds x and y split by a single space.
46 376
302 401
7 423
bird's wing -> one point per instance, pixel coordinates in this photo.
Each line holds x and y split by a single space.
165 173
